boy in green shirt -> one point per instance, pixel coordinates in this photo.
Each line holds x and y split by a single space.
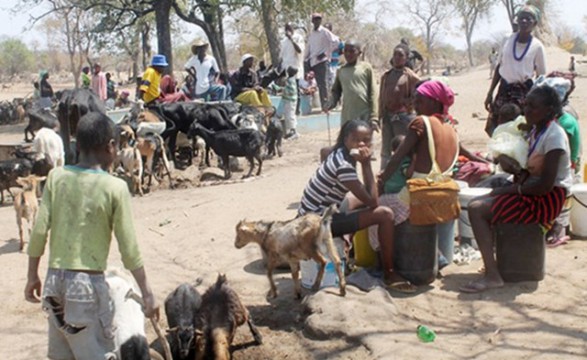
81 206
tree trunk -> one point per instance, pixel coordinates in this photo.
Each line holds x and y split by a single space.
271 30
214 32
162 11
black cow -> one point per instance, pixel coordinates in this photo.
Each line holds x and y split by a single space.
73 104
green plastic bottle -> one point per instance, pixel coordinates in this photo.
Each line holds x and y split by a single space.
425 334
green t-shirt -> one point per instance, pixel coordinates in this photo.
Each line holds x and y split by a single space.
398 179
355 84
81 208
571 127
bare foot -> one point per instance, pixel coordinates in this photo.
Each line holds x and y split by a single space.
481 285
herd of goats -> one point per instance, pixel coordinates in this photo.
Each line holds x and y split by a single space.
199 326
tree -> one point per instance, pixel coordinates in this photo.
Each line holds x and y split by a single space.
470 11
431 14
15 57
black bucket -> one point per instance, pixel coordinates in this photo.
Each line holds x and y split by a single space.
415 252
520 251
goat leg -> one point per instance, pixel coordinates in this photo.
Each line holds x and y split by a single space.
260 160
295 274
256 334
273 290
321 260
227 172
337 263
251 166
134 296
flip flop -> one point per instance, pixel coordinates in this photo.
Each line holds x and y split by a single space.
476 287
554 242
404 287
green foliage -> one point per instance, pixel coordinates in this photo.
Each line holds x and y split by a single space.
15 57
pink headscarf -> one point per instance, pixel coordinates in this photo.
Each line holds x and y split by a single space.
438 91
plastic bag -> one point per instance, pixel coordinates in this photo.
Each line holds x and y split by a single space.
509 140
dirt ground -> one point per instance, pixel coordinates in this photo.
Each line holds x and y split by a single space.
186 235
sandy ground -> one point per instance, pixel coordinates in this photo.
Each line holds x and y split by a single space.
525 321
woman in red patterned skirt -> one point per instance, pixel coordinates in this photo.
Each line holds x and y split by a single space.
537 196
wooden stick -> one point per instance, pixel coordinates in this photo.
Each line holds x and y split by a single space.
132 295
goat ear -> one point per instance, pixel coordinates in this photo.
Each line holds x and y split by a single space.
41 178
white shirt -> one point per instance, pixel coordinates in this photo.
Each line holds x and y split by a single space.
514 71
202 71
289 55
553 138
320 41
49 144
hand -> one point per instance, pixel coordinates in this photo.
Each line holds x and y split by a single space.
288 34
364 155
32 290
488 101
509 165
258 88
151 307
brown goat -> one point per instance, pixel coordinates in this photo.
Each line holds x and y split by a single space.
26 204
292 241
220 314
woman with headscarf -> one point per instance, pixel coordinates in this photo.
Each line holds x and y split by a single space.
432 100
522 57
45 90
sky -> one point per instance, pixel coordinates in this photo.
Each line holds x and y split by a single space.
568 12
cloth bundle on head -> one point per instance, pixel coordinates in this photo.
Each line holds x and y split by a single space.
530 9
559 84
43 73
438 91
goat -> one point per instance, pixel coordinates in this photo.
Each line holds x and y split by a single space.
292 241
152 148
39 118
273 139
10 170
129 321
26 204
129 157
181 309
220 314
243 143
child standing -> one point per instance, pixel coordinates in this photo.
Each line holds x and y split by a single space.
81 206
289 100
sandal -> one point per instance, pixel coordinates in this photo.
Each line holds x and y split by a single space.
404 287
557 241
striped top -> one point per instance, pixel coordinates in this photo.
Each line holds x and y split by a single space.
326 185
290 92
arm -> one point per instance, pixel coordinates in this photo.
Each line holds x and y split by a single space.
494 82
32 290
381 100
373 100
151 307
545 183
367 193
540 62
404 149
465 152
297 47
336 91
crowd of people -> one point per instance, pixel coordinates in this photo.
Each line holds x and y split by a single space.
419 141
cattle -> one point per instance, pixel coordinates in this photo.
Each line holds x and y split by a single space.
294 240
39 118
26 204
241 143
73 104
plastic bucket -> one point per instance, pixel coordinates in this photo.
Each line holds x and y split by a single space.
415 254
309 268
520 252
465 196
579 210
365 256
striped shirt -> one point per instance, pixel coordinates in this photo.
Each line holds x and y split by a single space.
326 185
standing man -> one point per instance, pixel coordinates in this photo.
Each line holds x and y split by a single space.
493 57
334 59
99 83
292 55
149 90
205 70
356 81
86 79
321 44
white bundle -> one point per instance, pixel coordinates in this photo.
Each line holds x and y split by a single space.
508 139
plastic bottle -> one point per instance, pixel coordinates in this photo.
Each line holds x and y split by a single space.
425 334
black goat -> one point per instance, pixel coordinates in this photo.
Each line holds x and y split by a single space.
181 308
219 316
273 136
39 118
10 170
241 143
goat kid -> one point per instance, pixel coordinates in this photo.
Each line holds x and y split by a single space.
240 143
130 159
292 241
181 309
221 313
26 204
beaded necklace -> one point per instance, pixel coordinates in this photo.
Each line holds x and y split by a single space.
525 50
